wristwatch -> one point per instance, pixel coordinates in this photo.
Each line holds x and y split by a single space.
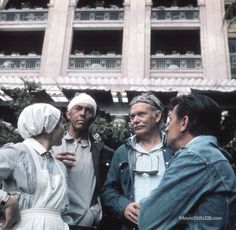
5 199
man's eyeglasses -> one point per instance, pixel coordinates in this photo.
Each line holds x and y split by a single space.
153 171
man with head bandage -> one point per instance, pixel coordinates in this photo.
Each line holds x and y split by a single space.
87 161
139 164
34 189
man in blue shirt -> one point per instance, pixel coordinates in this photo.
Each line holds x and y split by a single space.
198 189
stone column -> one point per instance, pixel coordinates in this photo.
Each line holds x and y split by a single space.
68 37
2 4
134 40
148 30
214 43
54 39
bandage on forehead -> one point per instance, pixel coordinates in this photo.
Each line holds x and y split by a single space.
82 98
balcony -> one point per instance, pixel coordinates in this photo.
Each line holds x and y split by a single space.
175 13
20 62
99 14
233 64
15 15
176 62
95 62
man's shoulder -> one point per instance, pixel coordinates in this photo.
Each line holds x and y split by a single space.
14 151
106 148
14 147
100 145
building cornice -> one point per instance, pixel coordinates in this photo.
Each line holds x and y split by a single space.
54 87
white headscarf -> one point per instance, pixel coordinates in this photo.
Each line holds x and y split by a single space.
83 98
38 118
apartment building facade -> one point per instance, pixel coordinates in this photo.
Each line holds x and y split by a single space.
115 49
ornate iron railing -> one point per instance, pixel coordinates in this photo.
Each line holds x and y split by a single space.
24 15
172 62
233 64
95 62
20 62
175 13
99 14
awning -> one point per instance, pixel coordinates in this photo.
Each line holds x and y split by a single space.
100 96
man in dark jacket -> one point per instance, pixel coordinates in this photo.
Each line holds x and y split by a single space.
139 164
87 161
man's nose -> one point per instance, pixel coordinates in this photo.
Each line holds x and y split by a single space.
82 111
135 119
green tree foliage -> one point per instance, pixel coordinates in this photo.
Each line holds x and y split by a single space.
110 132
22 97
228 134
8 134
230 13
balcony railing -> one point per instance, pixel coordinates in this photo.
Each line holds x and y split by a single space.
171 62
95 62
19 62
24 15
233 63
175 13
99 14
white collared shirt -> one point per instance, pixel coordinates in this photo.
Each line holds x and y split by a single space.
148 160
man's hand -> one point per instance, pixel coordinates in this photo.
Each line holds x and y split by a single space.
131 212
11 214
68 158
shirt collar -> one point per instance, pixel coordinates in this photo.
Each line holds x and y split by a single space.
68 136
133 140
201 138
84 143
31 142
139 148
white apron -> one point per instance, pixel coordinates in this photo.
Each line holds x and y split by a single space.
49 200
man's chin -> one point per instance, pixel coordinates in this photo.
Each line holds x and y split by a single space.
172 146
58 143
139 134
81 128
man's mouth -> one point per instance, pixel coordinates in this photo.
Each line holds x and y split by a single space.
81 122
138 127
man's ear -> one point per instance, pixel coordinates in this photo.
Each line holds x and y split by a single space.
68 115
184 123
158 115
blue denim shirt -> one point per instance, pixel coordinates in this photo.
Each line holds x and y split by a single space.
197 191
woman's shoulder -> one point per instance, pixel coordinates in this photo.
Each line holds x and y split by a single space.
13 150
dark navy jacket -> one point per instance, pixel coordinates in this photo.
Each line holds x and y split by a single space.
118 190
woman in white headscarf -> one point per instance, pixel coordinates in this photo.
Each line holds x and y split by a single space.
34 191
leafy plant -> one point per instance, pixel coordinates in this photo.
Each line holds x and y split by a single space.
8 133
110 132
228 134
22 97
230 14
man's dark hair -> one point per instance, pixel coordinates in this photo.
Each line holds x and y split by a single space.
203 112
